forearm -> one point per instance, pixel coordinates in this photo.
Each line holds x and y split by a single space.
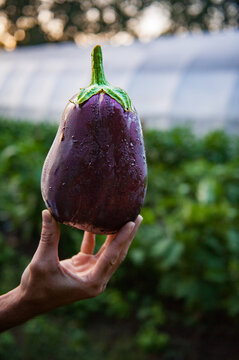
14 309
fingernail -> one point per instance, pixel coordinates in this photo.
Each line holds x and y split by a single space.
46 216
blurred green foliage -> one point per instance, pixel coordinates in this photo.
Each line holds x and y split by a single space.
180 281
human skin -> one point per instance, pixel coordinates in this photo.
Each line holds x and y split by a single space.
48 283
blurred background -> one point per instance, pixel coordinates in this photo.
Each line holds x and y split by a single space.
176 296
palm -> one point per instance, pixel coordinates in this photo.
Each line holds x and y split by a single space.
84 262
50 283
79 264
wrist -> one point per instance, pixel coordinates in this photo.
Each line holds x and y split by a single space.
15 309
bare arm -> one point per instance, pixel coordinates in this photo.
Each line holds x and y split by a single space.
14 309
48 283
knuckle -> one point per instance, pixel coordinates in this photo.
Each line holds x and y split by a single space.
95 289
111 260
38 267
106 258
93 292
46 236
103 287
123 256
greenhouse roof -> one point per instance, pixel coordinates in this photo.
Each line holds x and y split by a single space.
173 80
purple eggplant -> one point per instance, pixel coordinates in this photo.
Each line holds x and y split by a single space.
94 176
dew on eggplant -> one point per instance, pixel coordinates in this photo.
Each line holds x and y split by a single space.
103 184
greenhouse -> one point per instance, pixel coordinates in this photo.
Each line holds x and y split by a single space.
172 81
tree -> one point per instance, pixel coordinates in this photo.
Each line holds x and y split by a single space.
27 22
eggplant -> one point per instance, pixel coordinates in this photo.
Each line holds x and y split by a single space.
95 174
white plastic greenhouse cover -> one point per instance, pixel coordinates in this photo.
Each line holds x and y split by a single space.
172 80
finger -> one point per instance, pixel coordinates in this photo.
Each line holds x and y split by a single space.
111 257
106 244
108 240
127 245
124 250
48 245
138 222
113 267
88 243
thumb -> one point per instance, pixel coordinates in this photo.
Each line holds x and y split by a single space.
48 245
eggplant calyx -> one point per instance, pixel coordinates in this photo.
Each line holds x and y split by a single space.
100 84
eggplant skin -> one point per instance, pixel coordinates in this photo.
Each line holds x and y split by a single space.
94 176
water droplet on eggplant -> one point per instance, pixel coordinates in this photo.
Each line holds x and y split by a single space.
102 145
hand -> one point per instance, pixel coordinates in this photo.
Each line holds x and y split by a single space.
48 283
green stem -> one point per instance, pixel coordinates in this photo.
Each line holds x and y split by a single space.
100 84
97 75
